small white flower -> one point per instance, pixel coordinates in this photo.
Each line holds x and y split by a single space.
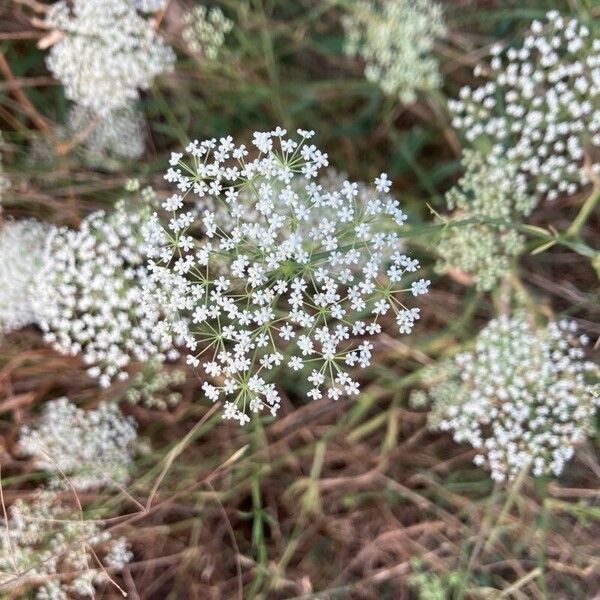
382 183
420 287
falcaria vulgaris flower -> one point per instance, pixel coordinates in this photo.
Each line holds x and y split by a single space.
92 292
23 254
262 270
396 39
50 551
540 108
91 448
107 51
524 396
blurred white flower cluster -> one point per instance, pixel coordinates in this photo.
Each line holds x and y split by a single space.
91 298
491 197
541 107
47 547
205 30
396 39
50 548
115 136
91 448
282 276
524 397
149 6
23 252
107 53
104 53
151 386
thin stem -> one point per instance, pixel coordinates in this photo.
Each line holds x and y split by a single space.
584 213
28 108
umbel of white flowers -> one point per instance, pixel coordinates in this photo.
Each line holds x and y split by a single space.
23 251
524 397
108 51
48 548
492 197
205 30
91 292
91 448
152 385
396 38
115 136
148 6
541 107
281 276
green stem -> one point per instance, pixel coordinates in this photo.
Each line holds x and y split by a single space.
512 496
258 510
584 213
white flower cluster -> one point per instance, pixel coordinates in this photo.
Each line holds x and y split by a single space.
91 448
205 30
49 549
541 107
396 38
107 53
149 6
117 135
23 252
524 397
306 272
152 385
486 193
92 295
